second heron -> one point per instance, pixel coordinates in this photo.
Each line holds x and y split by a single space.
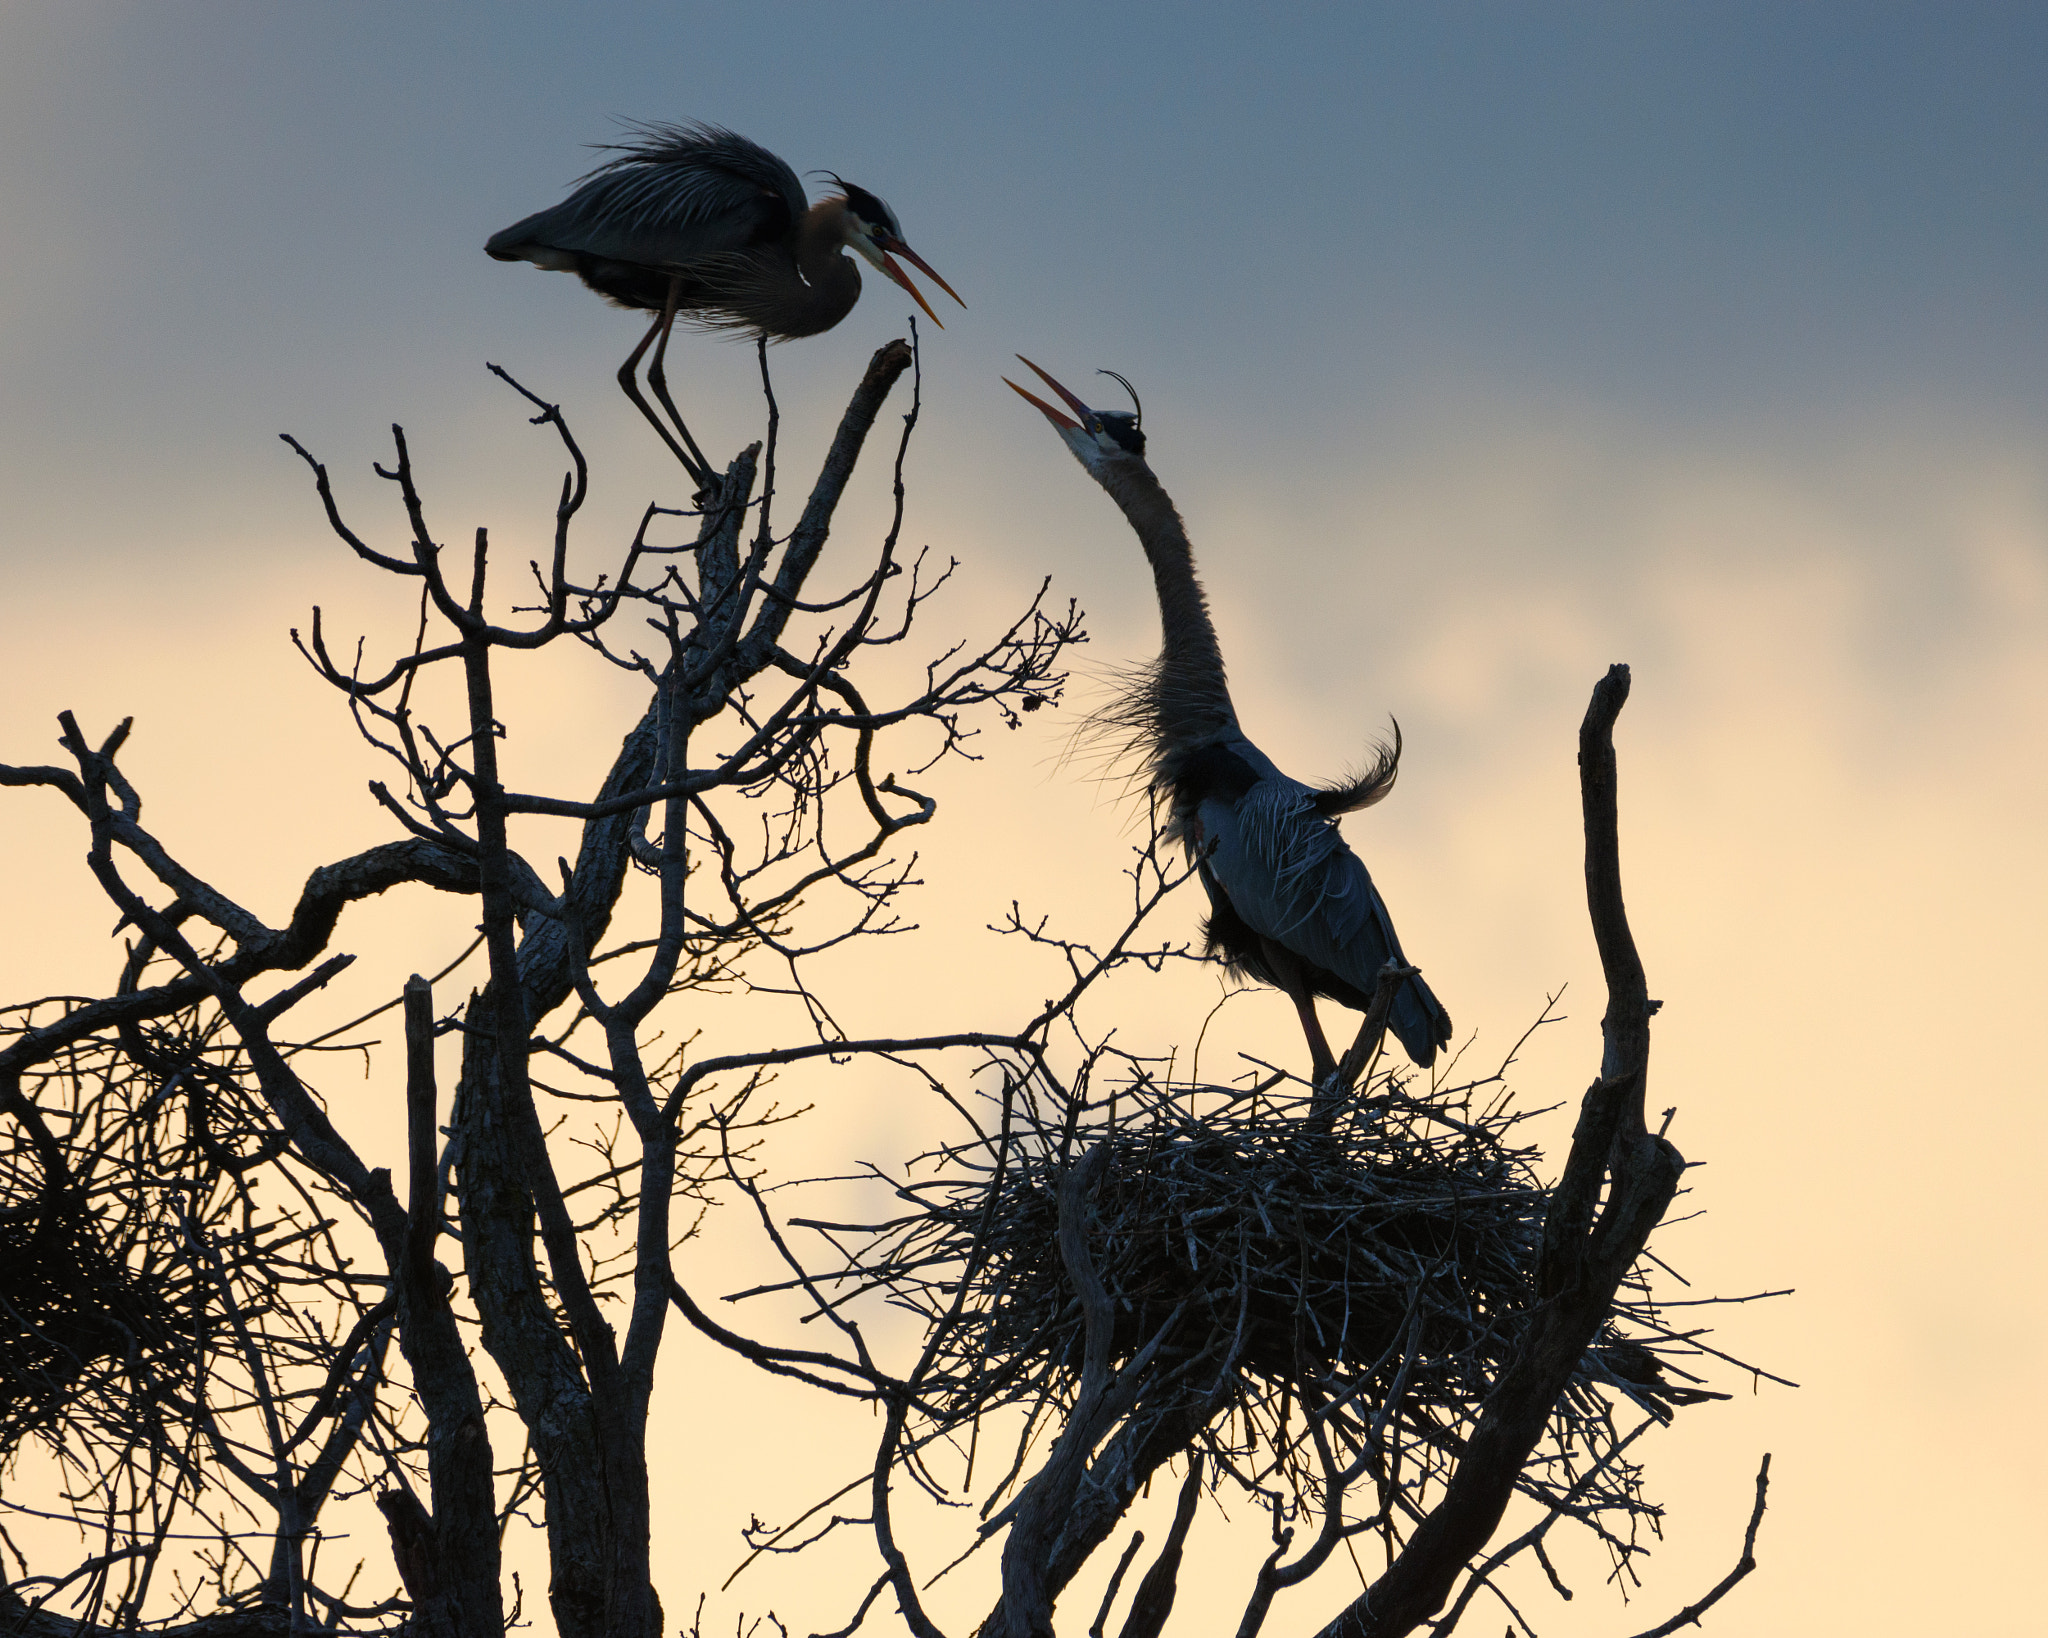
694 222
1289 904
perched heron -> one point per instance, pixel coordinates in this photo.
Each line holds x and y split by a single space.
1289 903
695 222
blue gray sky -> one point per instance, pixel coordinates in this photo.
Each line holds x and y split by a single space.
1481 345
1708 214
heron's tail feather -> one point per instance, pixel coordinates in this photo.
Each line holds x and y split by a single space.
1419 1023
1366 788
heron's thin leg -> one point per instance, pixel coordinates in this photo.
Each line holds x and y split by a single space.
1321 1059
657 377
700 473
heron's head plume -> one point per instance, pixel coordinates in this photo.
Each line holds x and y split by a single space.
1126 427
1100 439
871 232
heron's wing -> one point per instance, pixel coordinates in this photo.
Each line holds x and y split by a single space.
1290 877
676 195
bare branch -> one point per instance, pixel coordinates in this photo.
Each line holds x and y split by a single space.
1690 1615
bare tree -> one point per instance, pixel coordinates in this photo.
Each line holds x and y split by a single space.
1360 1303
753 799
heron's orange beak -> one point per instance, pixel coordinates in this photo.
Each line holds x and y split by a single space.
885 243
1063 422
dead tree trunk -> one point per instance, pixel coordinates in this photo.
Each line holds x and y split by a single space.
1618 1179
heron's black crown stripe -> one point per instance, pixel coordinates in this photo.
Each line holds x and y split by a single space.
870 209
1122 426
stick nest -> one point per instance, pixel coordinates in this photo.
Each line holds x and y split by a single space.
1398 1235
1280 1282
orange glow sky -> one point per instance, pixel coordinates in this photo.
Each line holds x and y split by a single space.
1480 346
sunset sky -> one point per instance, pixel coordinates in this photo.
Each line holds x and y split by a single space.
1481 345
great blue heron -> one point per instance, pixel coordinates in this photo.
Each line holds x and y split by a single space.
695 222
1290 904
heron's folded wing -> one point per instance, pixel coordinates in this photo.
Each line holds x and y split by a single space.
685 193
1291 877
619 217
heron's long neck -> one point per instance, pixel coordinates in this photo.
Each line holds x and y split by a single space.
818 291
1190 699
